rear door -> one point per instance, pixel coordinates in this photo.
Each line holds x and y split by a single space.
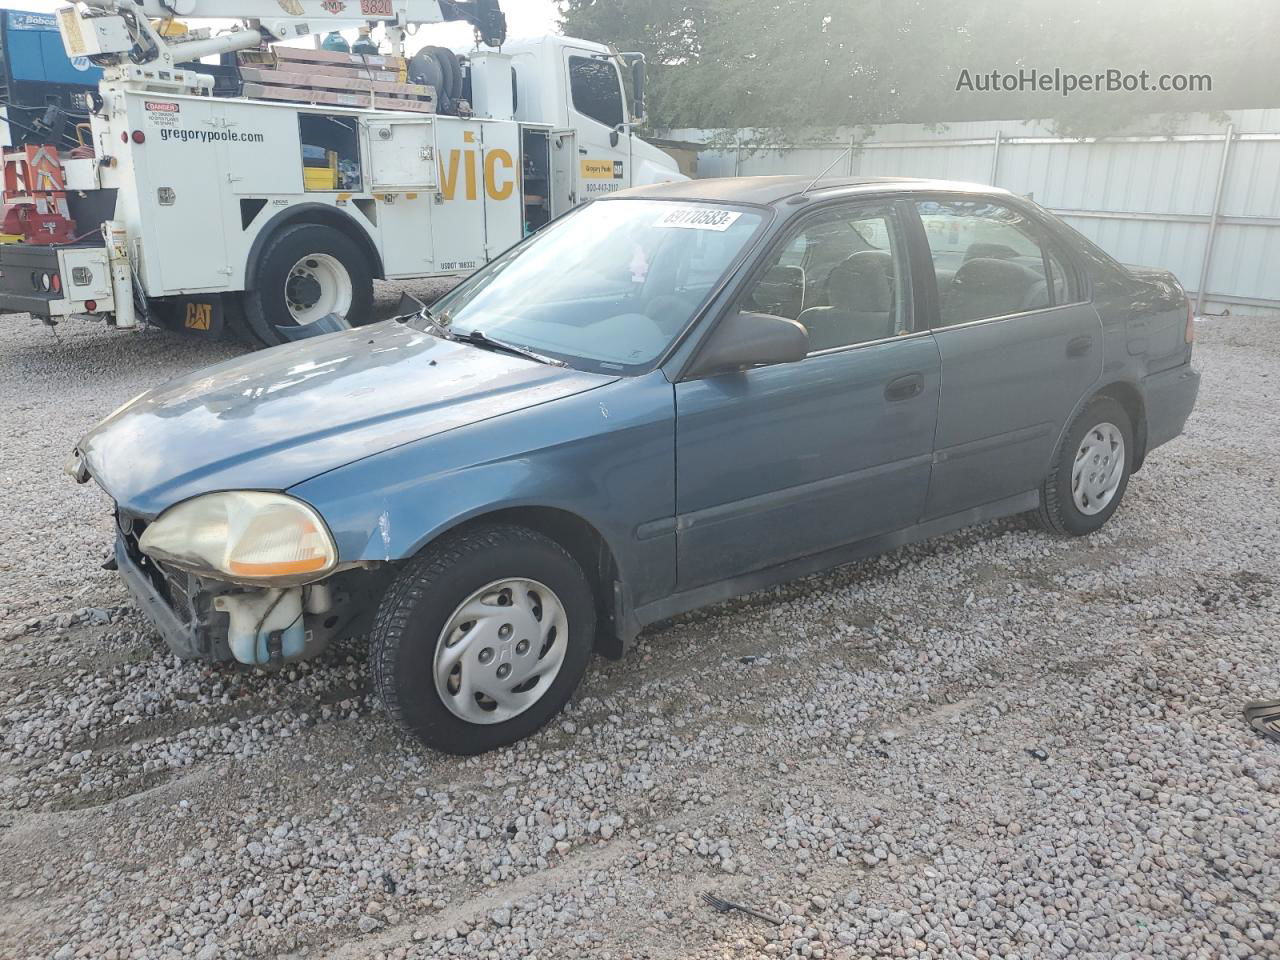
780 462
1021 345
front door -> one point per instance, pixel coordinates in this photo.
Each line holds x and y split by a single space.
779 462
597 111
1020 347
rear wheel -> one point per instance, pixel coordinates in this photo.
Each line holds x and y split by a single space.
482 638
1091 471
308 272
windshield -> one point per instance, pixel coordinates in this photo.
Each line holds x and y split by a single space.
609 287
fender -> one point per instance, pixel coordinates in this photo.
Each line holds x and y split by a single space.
312 212
605 456
1130 385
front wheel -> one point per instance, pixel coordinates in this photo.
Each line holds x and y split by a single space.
482 638
1091 471
308 272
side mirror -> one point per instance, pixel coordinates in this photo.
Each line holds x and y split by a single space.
744 340
637 88
613 137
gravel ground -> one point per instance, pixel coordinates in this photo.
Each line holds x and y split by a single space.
998 744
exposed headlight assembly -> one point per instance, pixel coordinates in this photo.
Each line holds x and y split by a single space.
245 536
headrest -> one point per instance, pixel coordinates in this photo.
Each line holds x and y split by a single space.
986 274
861 282
990 251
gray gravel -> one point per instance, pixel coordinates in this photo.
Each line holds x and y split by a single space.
998 744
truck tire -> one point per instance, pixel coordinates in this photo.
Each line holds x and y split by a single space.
1090 472
482 638
307 271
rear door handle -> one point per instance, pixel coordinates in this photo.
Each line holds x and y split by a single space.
1079 346
905 387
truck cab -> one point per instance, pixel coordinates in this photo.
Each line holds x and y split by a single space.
578 85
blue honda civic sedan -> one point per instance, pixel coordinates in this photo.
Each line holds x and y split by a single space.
670 396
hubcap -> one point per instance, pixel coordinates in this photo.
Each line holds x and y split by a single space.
317 286
500 650
1098 468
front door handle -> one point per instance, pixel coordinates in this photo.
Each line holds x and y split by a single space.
1079 346
905 387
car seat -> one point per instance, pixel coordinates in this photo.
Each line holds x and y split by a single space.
860 303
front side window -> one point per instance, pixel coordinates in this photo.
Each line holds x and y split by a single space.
842 275
988 261
596 90
608 287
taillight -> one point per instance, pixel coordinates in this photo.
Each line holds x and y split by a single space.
1190 335
139 137
124 136
56 283
91 305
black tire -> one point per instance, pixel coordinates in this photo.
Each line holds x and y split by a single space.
418 604
1058 512
266 312
450 69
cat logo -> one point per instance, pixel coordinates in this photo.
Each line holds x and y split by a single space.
199 316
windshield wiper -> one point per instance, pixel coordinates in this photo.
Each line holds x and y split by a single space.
481 339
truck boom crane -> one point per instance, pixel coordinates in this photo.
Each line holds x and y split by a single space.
116 33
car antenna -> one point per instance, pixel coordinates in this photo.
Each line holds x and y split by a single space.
825 170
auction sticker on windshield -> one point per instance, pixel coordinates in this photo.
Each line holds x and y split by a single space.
698 218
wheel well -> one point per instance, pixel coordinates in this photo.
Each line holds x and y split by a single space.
1128 396
585 544
317 213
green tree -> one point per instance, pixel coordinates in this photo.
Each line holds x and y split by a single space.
787 65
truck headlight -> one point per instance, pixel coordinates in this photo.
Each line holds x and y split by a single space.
243 535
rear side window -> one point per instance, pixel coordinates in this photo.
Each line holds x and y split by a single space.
595 89
989 261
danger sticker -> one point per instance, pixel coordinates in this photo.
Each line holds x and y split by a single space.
162 106
698 218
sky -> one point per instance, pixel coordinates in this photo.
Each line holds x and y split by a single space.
525 18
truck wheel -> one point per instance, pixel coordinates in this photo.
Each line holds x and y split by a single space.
482 638
307 272
1091 471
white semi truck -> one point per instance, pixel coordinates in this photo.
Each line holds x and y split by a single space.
205 212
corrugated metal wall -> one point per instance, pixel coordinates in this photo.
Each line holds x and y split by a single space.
1165 201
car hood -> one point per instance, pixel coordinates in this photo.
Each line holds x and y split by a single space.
273 419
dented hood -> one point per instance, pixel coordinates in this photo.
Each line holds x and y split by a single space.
275 418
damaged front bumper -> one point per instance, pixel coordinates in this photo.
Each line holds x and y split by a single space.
203 619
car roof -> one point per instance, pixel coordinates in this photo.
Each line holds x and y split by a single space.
767 191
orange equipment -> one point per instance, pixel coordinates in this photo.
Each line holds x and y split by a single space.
35 197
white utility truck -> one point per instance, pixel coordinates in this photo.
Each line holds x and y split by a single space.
277 206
